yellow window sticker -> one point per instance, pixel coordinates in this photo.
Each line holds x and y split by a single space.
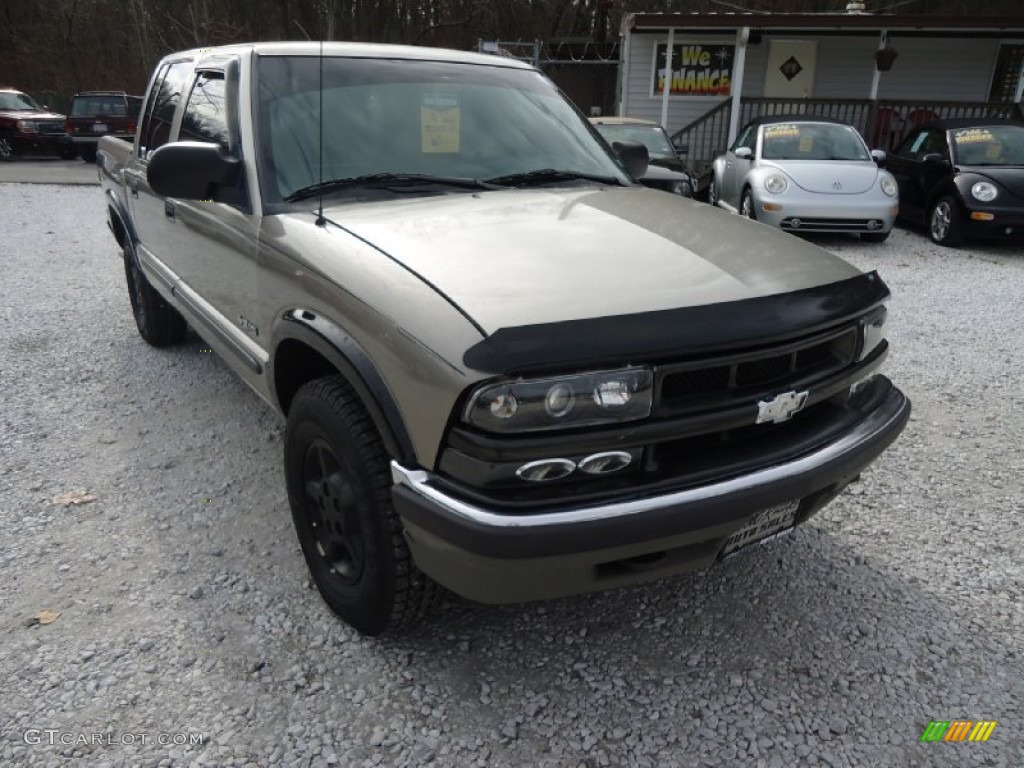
994 151
781 130
439 123
973 136
807 144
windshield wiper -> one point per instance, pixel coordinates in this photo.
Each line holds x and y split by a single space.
384 179
549 175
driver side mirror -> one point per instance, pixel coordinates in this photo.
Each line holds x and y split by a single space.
744 153
934 158
192 170
878 156
634 156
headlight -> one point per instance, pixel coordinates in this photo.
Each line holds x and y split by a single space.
28 126
680 188
872 332
562 402
985 191
776 184
889 186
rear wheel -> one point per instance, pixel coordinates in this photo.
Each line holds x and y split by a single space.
89 154
944 225
874 237
339 490
158 322
747 205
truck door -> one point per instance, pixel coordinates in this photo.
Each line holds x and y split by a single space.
215 240
154 232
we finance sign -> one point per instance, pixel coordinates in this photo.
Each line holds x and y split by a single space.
695 70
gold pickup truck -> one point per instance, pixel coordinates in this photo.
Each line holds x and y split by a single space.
506 367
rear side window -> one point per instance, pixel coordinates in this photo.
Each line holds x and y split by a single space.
163 101
96 106
205 116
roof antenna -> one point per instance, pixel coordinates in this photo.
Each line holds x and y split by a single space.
320 220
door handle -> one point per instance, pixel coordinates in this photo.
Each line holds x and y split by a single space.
728 165
169 209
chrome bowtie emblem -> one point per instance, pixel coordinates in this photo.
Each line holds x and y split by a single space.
837 185
781 407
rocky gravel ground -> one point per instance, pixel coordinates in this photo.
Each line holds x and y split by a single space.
188 632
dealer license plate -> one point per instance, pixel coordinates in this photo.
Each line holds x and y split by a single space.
766 524
99 127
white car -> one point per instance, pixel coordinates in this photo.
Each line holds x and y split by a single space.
806 174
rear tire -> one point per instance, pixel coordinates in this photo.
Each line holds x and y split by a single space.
158 322
89 154
339 490
874 237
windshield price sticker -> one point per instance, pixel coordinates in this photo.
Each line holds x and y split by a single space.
781 131
807 144
973 136
439 123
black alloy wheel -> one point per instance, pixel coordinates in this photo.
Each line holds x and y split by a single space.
339 489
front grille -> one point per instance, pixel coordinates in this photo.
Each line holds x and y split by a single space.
713 384
50 126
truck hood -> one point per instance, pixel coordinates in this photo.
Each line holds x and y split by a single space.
854 178
526 257
29 114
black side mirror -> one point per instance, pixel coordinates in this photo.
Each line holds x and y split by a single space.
192 170
634 156
935 158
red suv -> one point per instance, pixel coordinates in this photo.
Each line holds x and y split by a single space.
100 113
26 127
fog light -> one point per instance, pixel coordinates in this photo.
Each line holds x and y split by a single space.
545 469
874 224
982 216
605 463
795 223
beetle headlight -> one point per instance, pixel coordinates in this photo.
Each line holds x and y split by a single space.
776 184
872 332
562 402
985 191
888 185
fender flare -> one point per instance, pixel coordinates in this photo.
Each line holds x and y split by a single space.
114 208
351 360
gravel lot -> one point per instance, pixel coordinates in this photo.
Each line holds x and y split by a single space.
185 608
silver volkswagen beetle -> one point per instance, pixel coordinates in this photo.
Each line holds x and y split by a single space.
806 174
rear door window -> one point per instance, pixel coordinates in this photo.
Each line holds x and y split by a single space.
157 130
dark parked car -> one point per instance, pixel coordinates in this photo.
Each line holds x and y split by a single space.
26 127
962 178
666 171
100 113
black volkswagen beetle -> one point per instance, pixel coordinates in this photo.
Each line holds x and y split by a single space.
962 178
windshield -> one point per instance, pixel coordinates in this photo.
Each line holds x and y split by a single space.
651 136
989 145
416 117
812 141
90 106
17 101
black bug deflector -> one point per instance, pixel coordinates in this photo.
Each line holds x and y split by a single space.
676 333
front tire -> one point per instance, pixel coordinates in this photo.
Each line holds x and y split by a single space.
89 154
158 322
747 205
339 490
944 225
713 193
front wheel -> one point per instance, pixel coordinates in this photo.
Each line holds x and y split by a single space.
6 153
339 490
944 225
747 205
89 154
713 193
